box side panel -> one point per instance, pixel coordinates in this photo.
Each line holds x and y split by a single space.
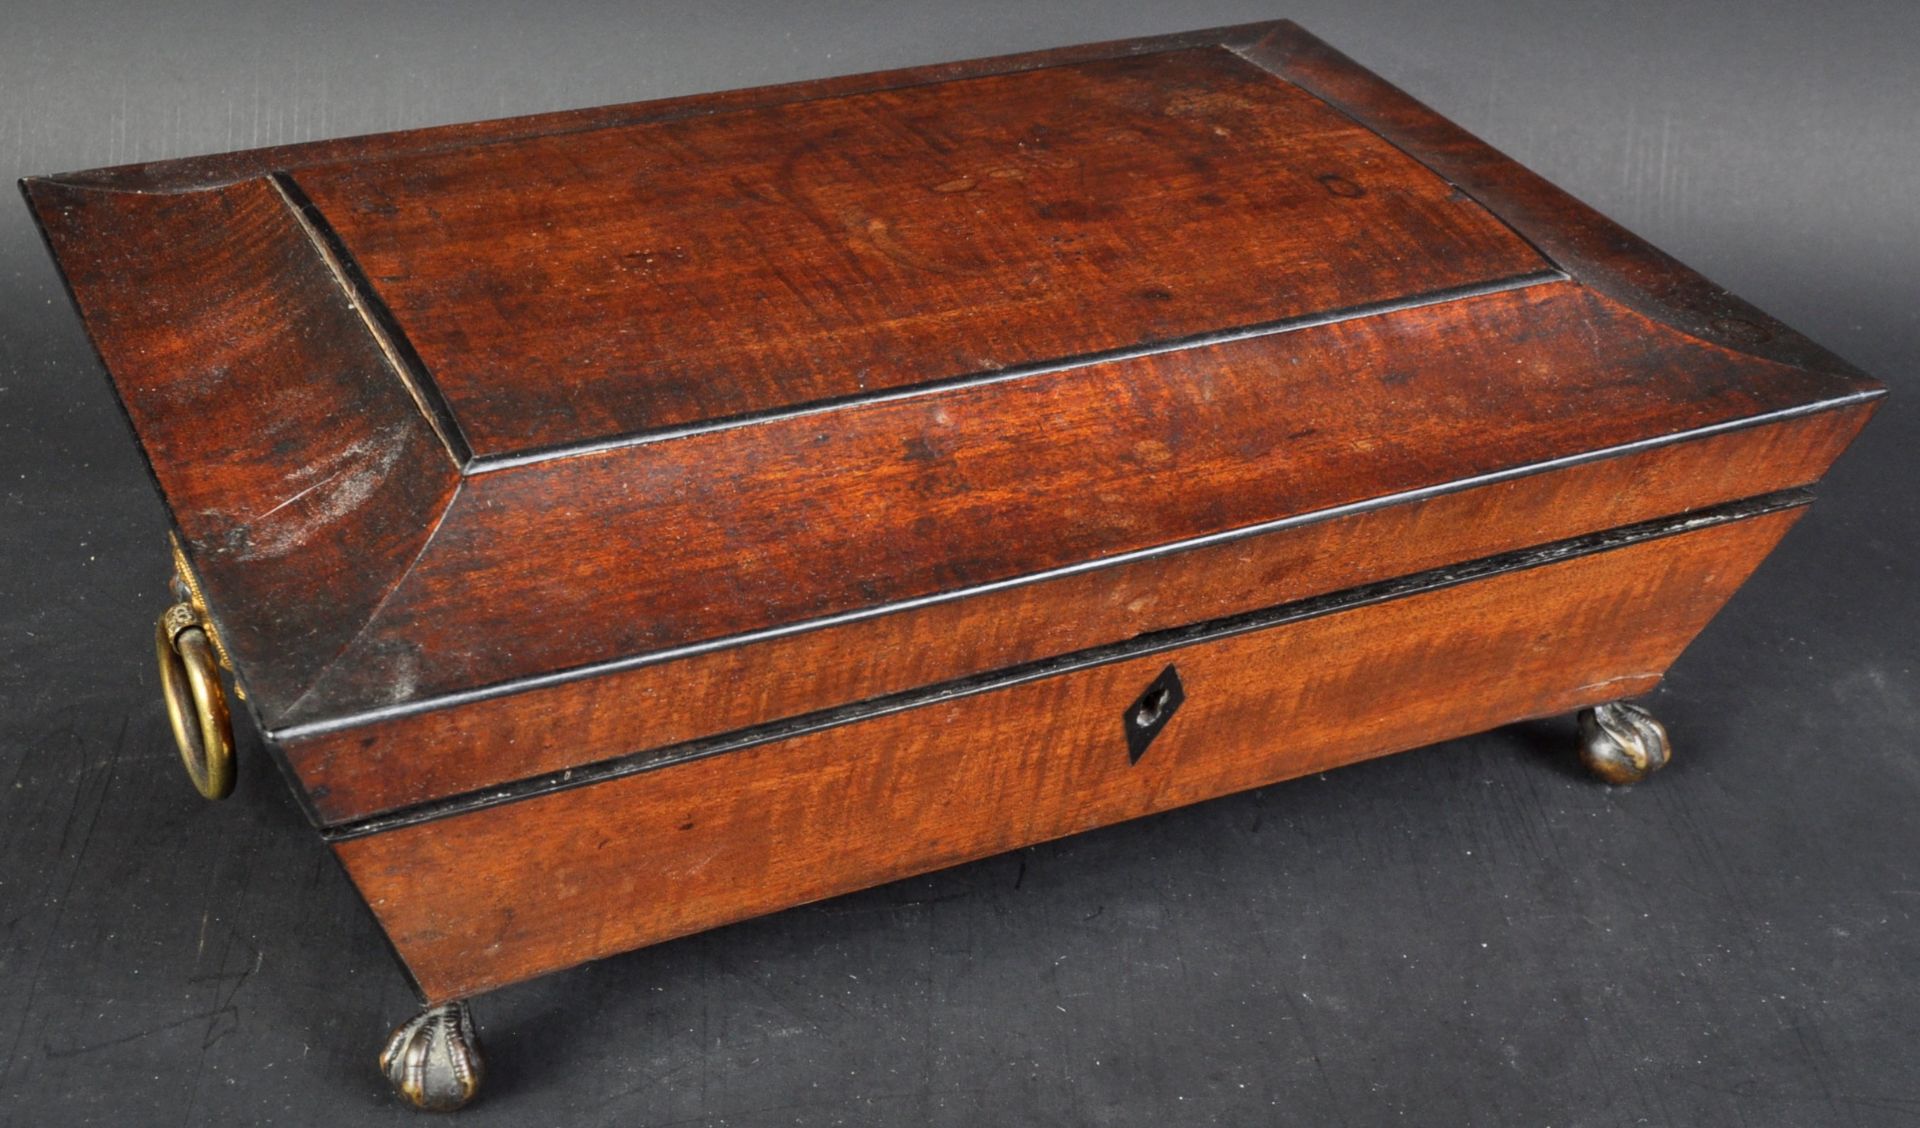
412 758
303 476
482 899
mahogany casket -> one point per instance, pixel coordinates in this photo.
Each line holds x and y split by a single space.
626 521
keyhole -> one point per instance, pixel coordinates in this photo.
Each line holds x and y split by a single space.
1151 706
1149 713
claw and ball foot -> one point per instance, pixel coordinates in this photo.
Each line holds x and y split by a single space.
433 1060
1622 743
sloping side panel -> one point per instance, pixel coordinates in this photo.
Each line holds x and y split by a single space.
303 477
416 757
644 550
1588 245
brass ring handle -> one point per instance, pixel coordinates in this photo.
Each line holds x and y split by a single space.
196 703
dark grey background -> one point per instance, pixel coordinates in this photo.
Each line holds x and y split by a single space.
1472 933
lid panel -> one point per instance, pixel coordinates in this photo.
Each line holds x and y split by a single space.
566 288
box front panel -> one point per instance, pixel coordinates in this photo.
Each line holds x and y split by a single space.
493 895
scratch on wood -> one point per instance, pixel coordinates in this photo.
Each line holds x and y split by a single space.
347 479
1621 680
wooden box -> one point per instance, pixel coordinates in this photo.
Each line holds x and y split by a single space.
627 521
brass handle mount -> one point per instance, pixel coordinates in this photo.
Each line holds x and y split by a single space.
196 702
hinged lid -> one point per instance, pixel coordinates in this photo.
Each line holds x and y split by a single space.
486 406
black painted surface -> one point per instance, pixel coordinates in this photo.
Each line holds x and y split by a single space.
1145 718
1472 933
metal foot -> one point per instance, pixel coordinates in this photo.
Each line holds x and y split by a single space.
433 1061
1622 743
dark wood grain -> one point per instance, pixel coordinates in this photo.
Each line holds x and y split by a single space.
571 287
1593 248
478 900
417 756
224 168
563 567
144 933
644 549
302 476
